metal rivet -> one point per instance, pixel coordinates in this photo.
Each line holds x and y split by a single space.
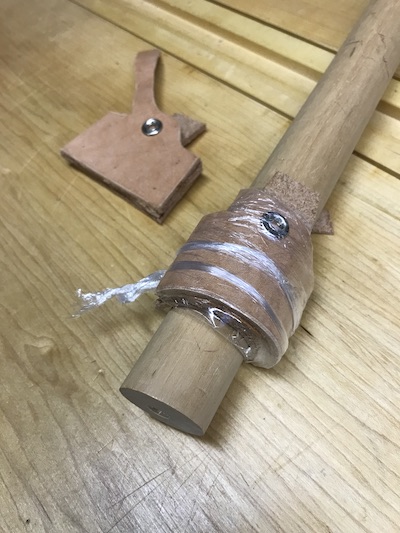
276 224
152 126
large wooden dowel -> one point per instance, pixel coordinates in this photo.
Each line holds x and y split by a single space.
184 372
322 137
187 367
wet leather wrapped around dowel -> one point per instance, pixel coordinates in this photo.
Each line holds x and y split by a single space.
251 285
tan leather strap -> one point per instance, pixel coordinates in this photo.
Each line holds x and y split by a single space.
145 70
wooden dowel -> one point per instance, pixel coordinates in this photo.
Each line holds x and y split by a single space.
184 390
176 381
319 142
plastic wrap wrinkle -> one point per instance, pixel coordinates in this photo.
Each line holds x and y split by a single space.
245 212
231 327
247 255
234 280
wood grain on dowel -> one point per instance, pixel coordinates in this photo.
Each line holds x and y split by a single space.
322 137
314 151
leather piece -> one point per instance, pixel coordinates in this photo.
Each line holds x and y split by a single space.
323 225
230 264
190 128
153 172
302 200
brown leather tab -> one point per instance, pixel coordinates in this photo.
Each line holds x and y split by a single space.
145 71
152 171
190 128
323 225
303 200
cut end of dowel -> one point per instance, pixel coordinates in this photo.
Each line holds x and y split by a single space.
162 412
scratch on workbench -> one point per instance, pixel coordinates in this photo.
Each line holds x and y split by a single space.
138 488
18 105
43 508
196 498
139 502
67 189
175 469
244 479
291 460
30 159
192 472
105 445
216 479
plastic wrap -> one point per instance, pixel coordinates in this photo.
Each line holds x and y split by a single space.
125 294
250 285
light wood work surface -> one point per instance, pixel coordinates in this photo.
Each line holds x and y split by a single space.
310 446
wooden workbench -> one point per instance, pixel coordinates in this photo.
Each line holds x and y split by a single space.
310 446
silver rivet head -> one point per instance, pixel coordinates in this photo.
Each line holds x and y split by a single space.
276 224
152 126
